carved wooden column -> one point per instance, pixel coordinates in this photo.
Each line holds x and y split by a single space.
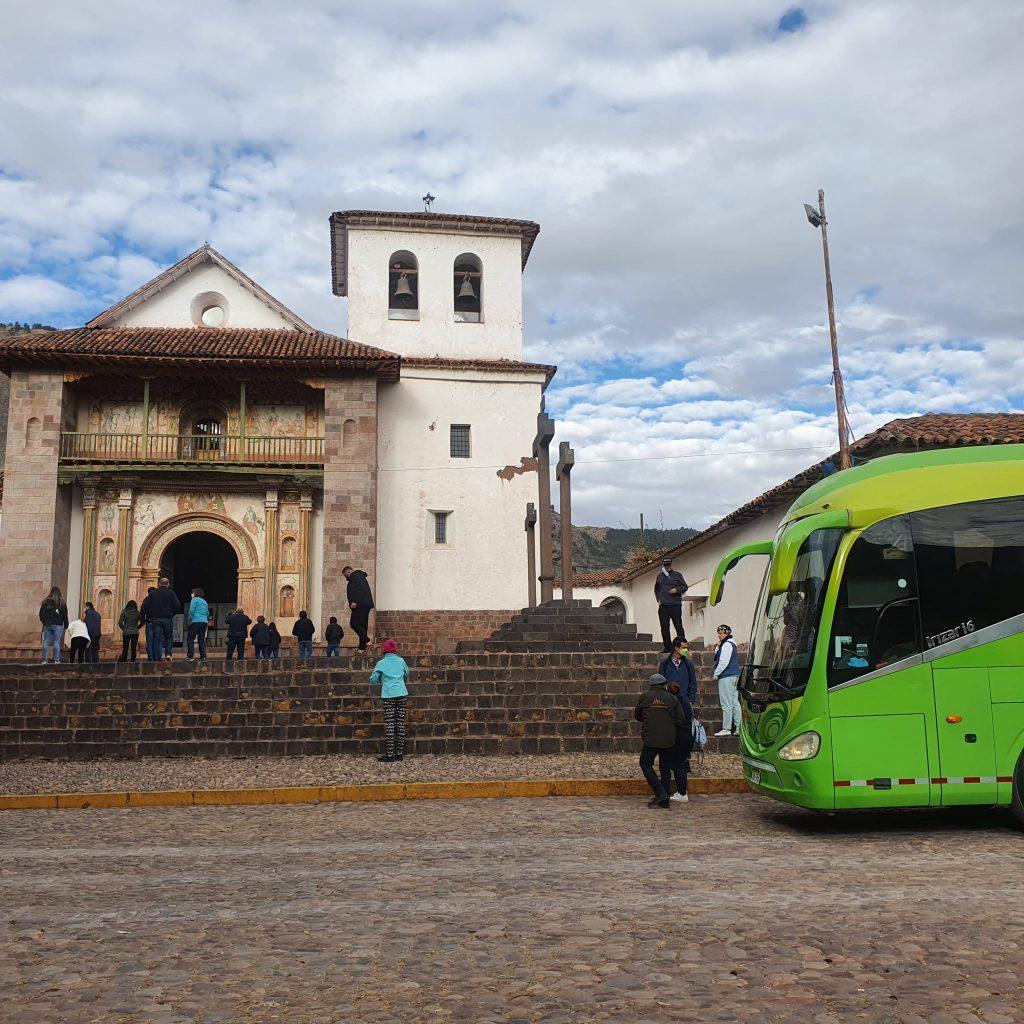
541 444
271 544
88 545
125 509
566 460
531 554
305 545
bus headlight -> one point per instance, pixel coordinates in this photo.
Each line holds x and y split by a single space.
802 747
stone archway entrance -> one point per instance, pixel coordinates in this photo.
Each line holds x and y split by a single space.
201 559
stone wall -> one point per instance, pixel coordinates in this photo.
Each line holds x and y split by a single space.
437 631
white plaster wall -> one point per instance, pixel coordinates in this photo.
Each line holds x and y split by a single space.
76 536
316 562
484 563
436 333
598 594
742 585
171 307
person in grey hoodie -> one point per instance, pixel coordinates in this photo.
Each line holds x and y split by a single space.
660 716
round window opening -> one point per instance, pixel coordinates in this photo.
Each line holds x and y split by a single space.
213 316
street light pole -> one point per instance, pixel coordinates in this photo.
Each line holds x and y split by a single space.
837 376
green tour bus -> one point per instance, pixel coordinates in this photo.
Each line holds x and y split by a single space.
886 663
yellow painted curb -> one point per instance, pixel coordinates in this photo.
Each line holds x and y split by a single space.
488 789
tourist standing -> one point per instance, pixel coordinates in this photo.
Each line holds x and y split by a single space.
669 587
164 605
198 623
93 623
303 631
660 716
77 637
360 601
274 649
153 652
727 672
260 637
238 630
683 746
128 623
53 614
333 635
392 673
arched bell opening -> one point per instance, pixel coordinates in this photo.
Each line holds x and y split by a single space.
468 289
403 286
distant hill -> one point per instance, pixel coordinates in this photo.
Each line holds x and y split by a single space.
607 547
20 328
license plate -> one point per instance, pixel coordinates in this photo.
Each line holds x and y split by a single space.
755 776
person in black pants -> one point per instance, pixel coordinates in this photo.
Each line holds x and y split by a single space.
669 587
360 600
238 629
94 624
661 717
683 746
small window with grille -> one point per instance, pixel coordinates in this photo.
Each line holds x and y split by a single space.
460 441
441 527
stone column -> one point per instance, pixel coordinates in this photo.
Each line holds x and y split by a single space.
566 460
271 543
36 512
305 546
88 544
541 444
125 510
350 486
531 554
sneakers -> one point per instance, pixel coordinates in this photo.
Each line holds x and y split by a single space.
385 759
658 803
679 798
723 732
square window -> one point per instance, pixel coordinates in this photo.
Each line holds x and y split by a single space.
460 441
441 527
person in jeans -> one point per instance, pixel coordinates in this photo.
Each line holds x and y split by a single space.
53 615
303 631
274 648
153 652
392 673
669 587
77 637
128 623
161 606
682 748
94 624
661 717
198 622
238 630
333 634
727 672
260 637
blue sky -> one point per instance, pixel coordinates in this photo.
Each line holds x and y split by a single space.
666 150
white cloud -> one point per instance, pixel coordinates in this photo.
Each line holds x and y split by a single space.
22 296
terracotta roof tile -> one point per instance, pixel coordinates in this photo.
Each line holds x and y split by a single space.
224 346
506 365
601 578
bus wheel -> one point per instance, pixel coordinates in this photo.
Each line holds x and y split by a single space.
1017 800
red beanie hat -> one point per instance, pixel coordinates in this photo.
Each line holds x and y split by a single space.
390 647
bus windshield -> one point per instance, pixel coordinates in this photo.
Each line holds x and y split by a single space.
786 627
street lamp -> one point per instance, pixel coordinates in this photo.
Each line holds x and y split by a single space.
816 218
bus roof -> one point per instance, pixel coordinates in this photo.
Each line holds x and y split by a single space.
893 484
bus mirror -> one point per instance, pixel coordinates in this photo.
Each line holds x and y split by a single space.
761 547
792 540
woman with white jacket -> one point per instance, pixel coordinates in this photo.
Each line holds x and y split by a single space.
77 638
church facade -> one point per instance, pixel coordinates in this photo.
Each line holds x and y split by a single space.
200 430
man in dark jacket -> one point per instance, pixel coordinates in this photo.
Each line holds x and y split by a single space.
260 637
303 631
153 652
333 635
94 624
160 607
661 715
678 668
360 600
238 629
669 587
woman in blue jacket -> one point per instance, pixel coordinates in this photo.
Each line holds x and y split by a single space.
392 673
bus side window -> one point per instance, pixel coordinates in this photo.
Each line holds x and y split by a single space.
876 618
970 561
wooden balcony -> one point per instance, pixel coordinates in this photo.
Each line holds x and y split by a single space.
191 450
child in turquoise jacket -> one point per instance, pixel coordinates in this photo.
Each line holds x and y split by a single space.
392 673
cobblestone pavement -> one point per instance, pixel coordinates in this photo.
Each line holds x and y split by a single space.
252 772
510 911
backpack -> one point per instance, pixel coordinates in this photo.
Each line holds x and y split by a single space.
700 739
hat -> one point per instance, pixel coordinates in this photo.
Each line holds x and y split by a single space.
666 561
724 628
656 680
390 647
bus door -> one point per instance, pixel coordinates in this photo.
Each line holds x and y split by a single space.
967 752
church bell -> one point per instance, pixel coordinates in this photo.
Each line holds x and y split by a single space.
466 291
402 287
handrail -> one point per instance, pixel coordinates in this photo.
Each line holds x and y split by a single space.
257 449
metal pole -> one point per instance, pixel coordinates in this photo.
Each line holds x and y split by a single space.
837 377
